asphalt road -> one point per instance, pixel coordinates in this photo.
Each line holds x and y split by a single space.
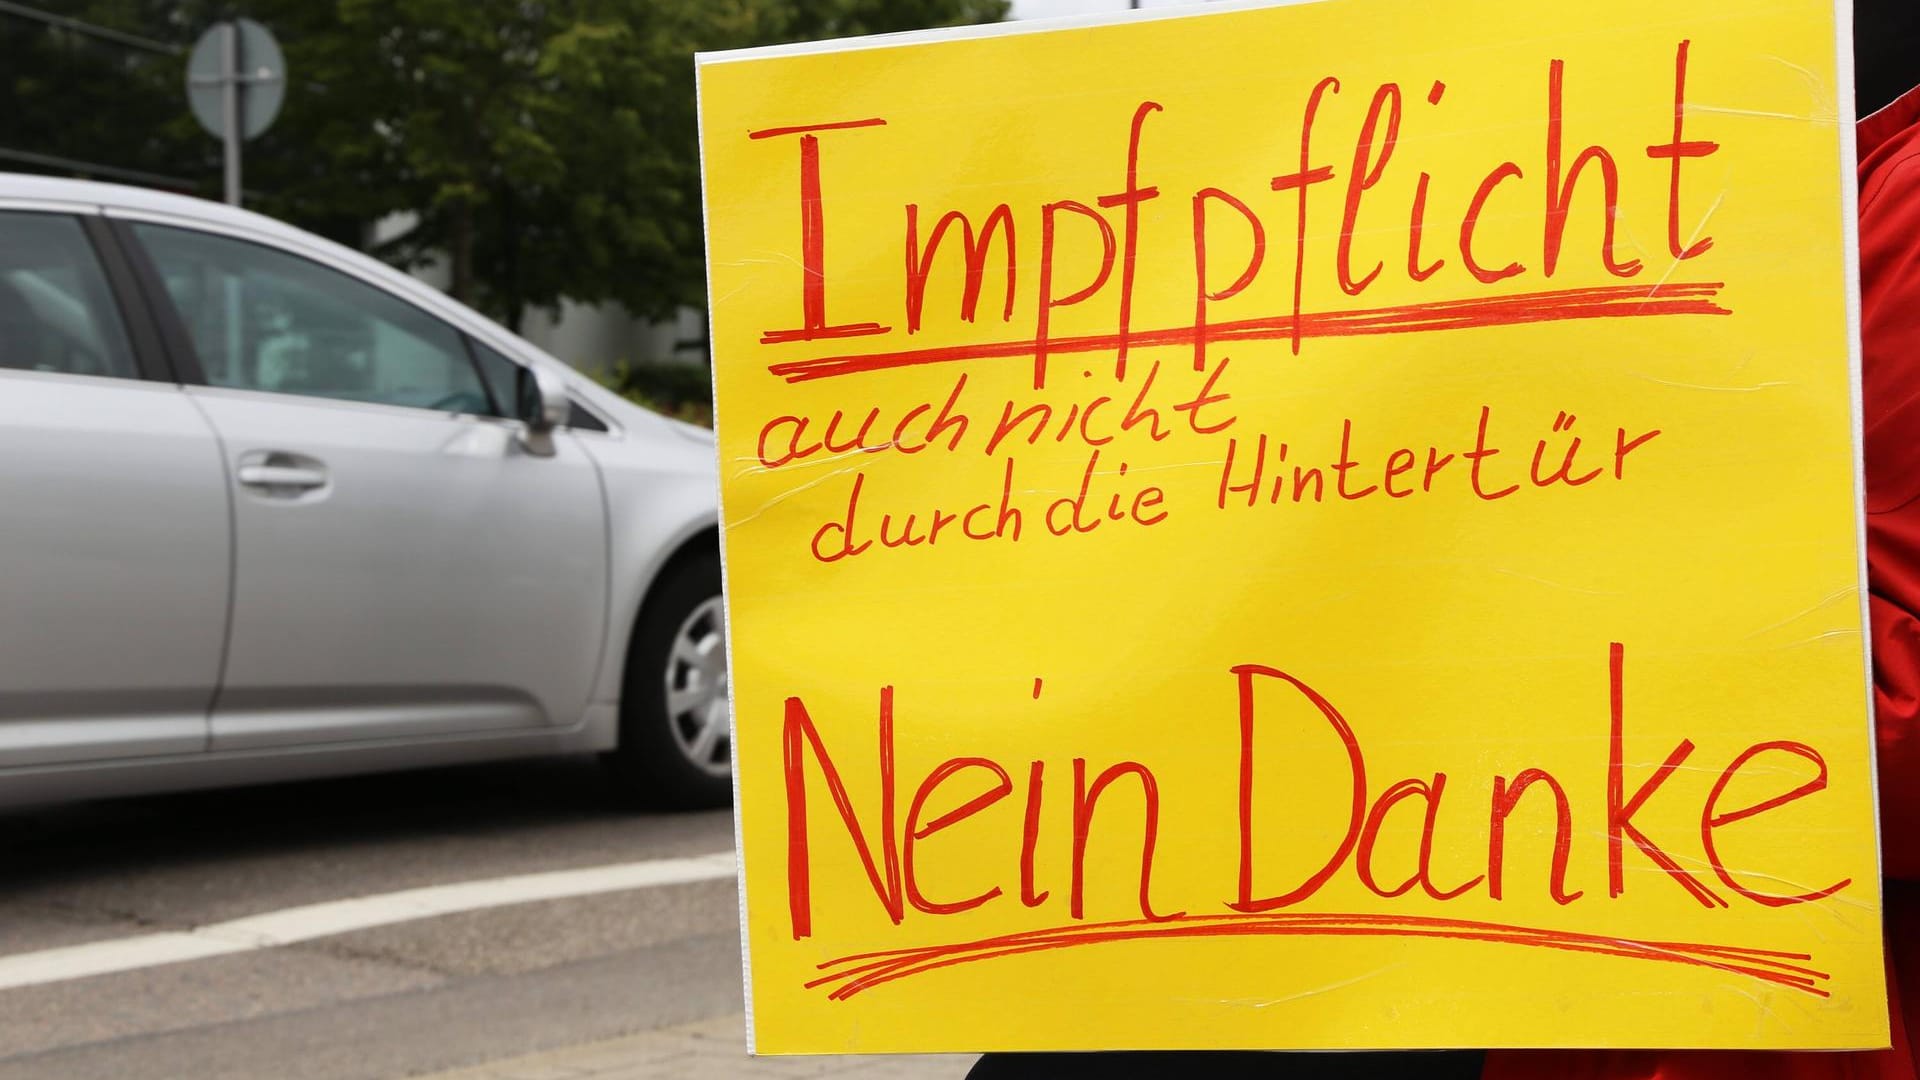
410 998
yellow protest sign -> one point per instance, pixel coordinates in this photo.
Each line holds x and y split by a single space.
1307 526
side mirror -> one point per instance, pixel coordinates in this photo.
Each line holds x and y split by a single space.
541 403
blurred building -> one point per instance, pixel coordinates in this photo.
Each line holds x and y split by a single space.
591 337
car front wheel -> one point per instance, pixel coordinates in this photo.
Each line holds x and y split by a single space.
676 746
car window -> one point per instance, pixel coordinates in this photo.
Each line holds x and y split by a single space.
262 319
500 374
579 419
55 311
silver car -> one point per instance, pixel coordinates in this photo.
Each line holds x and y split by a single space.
270 509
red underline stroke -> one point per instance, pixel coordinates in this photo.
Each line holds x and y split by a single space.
864 971
1604 302
804 129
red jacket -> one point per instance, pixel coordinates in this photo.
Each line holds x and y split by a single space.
1889 145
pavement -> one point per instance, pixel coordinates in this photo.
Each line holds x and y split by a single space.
121 956
708 1050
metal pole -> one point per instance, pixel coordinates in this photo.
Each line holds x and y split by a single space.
230 107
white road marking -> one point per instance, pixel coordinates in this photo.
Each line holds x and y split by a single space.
289 925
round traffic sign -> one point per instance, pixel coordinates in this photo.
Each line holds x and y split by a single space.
259 72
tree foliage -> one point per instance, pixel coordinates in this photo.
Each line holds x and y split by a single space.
77 97
546 149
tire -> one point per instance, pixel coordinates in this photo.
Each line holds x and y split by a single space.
676 746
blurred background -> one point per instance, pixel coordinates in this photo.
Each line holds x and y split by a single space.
537 161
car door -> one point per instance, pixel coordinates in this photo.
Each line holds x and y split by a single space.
113 515
404 567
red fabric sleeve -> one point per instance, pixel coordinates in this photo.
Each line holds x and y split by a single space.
1890 331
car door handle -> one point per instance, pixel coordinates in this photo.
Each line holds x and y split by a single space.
277 472
271 476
